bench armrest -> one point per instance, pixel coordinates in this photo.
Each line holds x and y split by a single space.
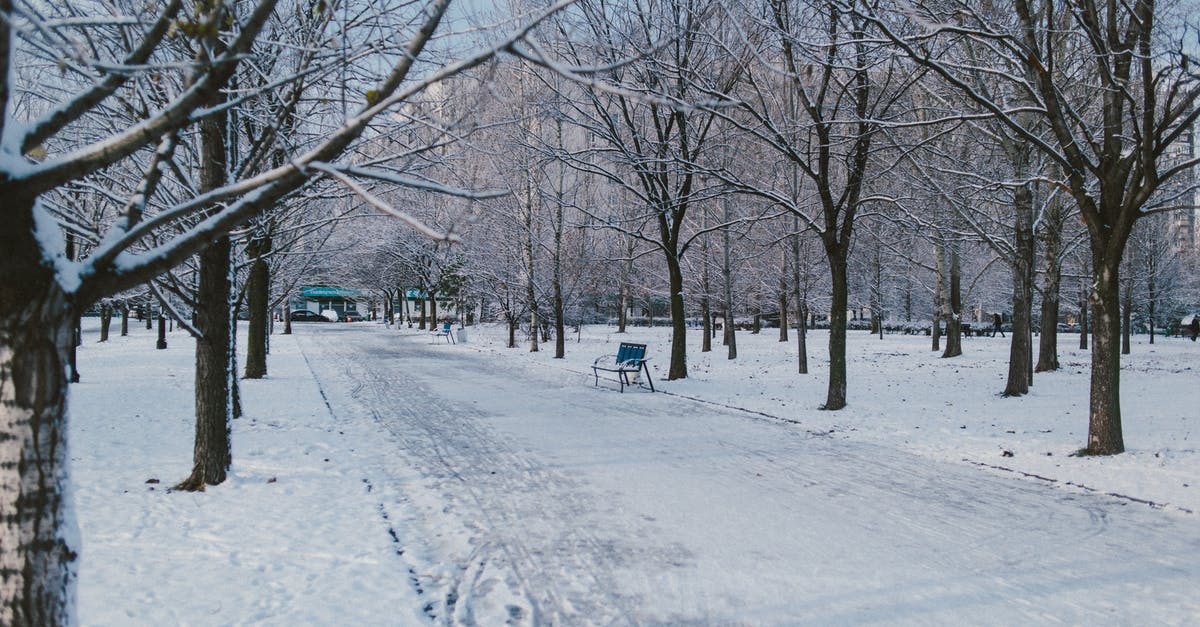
605 359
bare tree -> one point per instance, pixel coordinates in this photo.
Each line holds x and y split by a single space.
46 291
1113 87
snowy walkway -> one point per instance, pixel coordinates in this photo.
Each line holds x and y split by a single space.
538 500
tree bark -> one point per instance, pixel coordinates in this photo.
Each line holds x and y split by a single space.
105 321
935 330
678 368
124 319
287 318
1083 316
836 397
211 455
1020 355
727 275
258 302
37 560
1051 290
560 328
952 302
1126 316
783 302
1104 426
801 303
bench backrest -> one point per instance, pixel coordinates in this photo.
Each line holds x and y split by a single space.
631 352
445 327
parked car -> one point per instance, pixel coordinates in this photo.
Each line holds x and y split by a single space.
304 315
352 316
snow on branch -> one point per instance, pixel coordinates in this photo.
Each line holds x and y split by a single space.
379 204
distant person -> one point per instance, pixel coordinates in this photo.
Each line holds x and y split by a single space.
997 325
1195 327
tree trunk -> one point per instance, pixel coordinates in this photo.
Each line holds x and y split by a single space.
512 332
1083 316
560 325
258 302
287 319
802 338
952 301
1020 355
783 300
836 397
1152 305
678 368
37 559
730 337
1051 287
1048 342
124 319
1104 425
801 303
1126 316
105 321
211 455
939 297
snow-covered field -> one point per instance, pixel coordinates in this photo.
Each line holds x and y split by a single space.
903 395
382 479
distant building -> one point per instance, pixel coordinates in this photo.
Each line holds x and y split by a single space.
1183 225
318 298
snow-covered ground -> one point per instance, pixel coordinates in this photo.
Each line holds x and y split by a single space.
382 479
903 395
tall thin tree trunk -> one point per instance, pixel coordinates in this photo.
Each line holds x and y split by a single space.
1084 325
727 275
783 300
678 368
258 302
1126 315
211 455
952 301
124 319
939 295
1052 233
705 290
1020 356
1152 305
1104 426
836 397
801 302
105 321
287 318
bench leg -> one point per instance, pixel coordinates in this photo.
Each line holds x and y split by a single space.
648 379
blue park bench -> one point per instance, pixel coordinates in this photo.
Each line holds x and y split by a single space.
630 358
445 332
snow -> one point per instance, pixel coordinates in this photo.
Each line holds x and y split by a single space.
380 478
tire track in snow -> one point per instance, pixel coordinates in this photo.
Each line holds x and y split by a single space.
964 538
484 482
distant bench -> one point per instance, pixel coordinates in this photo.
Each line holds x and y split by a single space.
444 332
630 358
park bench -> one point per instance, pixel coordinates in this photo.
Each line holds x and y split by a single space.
630 358
445 332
